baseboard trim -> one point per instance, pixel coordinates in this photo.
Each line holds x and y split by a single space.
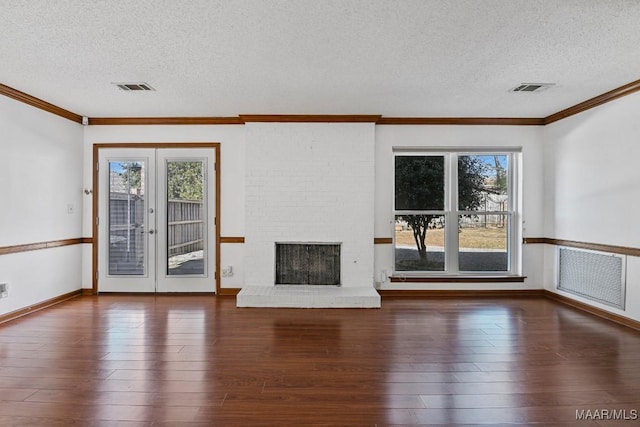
229 292
457 279
156 294
39 306
624 321
455 293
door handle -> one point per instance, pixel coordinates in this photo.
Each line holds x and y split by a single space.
151 231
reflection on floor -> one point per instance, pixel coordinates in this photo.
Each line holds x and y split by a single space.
196 361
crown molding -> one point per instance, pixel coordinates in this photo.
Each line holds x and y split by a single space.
109 121
39 103
493 121
309 118
616 93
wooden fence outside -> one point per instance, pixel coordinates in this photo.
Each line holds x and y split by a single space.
185 232
185 228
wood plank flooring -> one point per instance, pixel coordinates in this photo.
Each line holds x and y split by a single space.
148 361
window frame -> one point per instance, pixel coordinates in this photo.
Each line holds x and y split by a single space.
452 210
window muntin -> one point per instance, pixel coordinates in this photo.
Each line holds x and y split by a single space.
473 193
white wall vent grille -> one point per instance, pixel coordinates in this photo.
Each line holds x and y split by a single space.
598 276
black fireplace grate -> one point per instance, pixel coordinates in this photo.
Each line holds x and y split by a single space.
307 264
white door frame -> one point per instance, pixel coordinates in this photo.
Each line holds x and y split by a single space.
214 217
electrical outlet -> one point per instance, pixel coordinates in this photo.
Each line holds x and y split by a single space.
383 276
227 271
4 290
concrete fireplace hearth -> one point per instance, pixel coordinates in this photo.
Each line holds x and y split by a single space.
300 296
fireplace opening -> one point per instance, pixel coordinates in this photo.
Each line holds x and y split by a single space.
308 264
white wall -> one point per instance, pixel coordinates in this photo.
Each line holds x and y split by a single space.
592 186
310 182
40 175
232 163
529 138
580 182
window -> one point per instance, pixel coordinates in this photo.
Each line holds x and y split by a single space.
456 213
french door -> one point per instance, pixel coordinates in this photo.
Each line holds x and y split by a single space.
156 227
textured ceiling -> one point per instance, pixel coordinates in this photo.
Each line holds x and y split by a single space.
395 58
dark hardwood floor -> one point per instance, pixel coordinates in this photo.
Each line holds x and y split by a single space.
200 361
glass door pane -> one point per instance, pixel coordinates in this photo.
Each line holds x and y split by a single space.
186 220
185 209
127 216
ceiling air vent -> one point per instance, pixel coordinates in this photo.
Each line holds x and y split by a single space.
130 87
531 87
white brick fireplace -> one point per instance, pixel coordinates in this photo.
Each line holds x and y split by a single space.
309 183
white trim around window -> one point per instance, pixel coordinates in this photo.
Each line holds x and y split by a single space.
473 228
